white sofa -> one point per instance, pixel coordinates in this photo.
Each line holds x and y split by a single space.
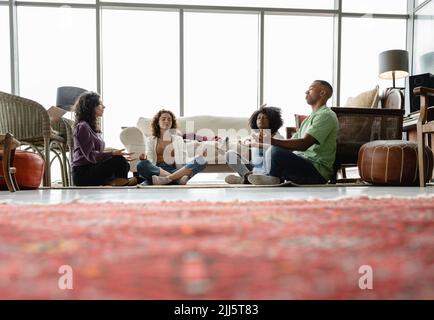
230 129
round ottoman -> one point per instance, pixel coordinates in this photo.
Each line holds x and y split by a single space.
392 162
29 170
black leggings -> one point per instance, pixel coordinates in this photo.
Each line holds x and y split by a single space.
100 173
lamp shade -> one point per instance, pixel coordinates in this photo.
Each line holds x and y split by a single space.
66 97
393 64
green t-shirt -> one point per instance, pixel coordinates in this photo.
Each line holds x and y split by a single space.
323 126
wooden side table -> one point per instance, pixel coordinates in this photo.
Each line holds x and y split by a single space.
9 144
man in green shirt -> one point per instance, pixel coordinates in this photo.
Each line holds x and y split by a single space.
308 157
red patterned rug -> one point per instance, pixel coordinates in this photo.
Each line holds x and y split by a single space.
234 250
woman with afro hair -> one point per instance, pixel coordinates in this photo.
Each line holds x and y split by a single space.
265 118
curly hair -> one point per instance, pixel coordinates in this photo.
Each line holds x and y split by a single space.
85 107
274 115
156 127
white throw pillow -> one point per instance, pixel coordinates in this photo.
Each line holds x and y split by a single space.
367 99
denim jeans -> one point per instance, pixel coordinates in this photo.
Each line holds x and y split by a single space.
289 166
146 169
242 166
238 163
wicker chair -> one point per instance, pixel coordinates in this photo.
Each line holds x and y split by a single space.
64 129
9 144
358 126
29 122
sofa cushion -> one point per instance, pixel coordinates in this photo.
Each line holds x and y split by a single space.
367 99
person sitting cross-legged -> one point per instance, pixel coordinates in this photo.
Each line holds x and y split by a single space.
308 157
165 161
92 165
265 118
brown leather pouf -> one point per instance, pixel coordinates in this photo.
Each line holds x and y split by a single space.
392 162
30 170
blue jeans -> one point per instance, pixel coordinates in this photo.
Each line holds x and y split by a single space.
242 166
146 169
289 166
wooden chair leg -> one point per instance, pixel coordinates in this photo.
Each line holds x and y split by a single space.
13 177
420 156
7 163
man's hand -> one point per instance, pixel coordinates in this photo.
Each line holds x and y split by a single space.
143 156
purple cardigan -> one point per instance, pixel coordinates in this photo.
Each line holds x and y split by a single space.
88 146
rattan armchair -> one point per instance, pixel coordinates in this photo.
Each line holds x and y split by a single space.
29 122
64 129
358 126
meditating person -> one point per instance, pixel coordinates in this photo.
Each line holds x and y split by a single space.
165 161
266 118
308 157
91 165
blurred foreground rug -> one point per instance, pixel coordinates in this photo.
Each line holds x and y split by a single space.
235 250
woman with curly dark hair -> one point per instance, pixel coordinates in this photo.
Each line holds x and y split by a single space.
91 165
265 118
165 160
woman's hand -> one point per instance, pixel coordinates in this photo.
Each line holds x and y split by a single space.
143 156
117 152
201 151
261 139
247 142
263 136
120 152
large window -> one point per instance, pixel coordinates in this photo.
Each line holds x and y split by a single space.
424 40
140 66
363 39
209 64
375 6
297 51
65 1
5 65
312 4
56 48
418 2
221 63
